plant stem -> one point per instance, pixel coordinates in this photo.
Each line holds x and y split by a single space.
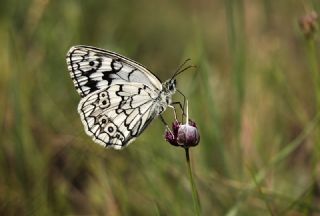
195 196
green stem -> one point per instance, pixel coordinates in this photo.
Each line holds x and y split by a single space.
195 195
236 39
314 68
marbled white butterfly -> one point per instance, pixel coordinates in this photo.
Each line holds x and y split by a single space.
120 97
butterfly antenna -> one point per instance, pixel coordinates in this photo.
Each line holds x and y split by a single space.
179 68
184 69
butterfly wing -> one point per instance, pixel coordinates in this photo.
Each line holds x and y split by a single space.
92 69
116 115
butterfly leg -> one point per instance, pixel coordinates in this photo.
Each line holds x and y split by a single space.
184 103
180 105
174 108
165 123
184 100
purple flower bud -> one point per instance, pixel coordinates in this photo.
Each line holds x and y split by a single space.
188 135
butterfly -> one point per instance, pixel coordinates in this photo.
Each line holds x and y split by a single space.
119 97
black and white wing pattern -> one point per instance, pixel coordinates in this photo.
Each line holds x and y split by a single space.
116 115
92 69
120 97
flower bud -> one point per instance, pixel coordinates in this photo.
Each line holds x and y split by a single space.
188 135
308 23
184 135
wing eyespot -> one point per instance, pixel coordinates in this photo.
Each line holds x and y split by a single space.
110 129
119 137
103 120
104 103
103 95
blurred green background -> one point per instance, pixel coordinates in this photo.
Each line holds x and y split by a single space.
255 97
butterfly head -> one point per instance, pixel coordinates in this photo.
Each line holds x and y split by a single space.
169 86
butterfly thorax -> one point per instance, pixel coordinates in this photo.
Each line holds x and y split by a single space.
168 89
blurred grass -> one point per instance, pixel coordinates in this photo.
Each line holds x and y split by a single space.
255 97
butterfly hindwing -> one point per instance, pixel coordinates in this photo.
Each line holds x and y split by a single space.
92 69
116 115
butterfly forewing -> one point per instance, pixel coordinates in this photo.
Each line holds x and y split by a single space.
116 115
92 69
